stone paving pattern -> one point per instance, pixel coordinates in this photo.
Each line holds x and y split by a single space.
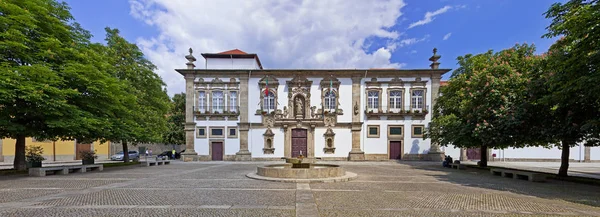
221 189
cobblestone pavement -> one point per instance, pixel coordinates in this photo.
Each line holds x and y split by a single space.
221 189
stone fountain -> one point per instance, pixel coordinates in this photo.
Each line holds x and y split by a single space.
298 170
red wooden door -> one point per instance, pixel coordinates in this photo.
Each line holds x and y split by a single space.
81 147
395 149
474 153
217 150
299 142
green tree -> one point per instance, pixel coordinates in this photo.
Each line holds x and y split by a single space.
480 106
569 92
38 45
145 119
176 120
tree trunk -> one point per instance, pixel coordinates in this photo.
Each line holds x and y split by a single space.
564 159
484 156
19 163
125 152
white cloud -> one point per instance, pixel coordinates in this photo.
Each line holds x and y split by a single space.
285 34
447 36
410 41
430 16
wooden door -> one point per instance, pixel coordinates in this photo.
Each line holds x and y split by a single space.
217 150
474 154
81 147
299 142
395 150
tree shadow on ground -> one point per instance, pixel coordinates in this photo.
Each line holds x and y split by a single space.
481 178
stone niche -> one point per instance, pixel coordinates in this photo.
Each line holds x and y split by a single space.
268 137
299 98
329 141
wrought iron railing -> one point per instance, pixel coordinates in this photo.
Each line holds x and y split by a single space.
217 109
405 110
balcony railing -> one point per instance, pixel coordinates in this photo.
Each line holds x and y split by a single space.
217 110
396 110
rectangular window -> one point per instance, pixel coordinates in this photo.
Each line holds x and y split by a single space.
217 101
233 101
395 101
269 101
201 132
373 131
232 132
395 130
417 131
202 101
217 132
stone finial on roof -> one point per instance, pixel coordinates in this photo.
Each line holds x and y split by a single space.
191 59
434 59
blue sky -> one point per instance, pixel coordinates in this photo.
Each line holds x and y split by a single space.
310 34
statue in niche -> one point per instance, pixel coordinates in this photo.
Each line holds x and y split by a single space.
356 108
285 111
313 111
299 107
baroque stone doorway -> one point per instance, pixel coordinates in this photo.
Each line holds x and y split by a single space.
299 142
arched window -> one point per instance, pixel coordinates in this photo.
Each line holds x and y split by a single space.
217 101
373 99
202 101
269 102
395 99
330 102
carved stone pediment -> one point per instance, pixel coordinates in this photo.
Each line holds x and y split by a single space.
330 81
299 97
396 82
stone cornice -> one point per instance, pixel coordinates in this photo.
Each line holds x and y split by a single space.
347 73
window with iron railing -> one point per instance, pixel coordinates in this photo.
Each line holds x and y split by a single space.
232 107
217 101
395 100
202 100
418 99
373 99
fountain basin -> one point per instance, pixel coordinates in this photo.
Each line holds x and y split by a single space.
306 171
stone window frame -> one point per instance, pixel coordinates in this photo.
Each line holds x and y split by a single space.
231 87
424 98
413 130
327 84
389 101
380 100
212 91
401 131
369 135
273 85
229 132
206 107
216 136
198 132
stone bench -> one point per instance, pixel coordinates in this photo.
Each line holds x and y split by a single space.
63 170
156 163
457 166
516 174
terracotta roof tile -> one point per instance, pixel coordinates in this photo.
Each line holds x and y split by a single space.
234 51
443 83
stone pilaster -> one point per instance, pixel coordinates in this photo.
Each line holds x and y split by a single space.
587 152
435 154
356 153
244 126
190 125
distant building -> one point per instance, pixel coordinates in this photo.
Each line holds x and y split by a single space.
61 150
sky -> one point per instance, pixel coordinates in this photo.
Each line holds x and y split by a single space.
317 34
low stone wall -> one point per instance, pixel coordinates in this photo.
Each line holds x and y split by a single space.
156 147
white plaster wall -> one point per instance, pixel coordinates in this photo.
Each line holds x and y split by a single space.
452 151
232 145
227 63
282 94
576 153
342 142
345 100
595 153
256 142
253 100
201 146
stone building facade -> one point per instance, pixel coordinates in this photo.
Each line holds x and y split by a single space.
236 110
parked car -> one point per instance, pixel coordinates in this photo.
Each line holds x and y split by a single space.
119 156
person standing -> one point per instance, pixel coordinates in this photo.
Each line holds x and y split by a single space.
150 152
173 154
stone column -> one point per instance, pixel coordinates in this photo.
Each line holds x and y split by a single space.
190 125
587 153
463 154
435 154
244 126
356 153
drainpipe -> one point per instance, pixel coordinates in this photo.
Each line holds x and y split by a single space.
248 113
364 132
